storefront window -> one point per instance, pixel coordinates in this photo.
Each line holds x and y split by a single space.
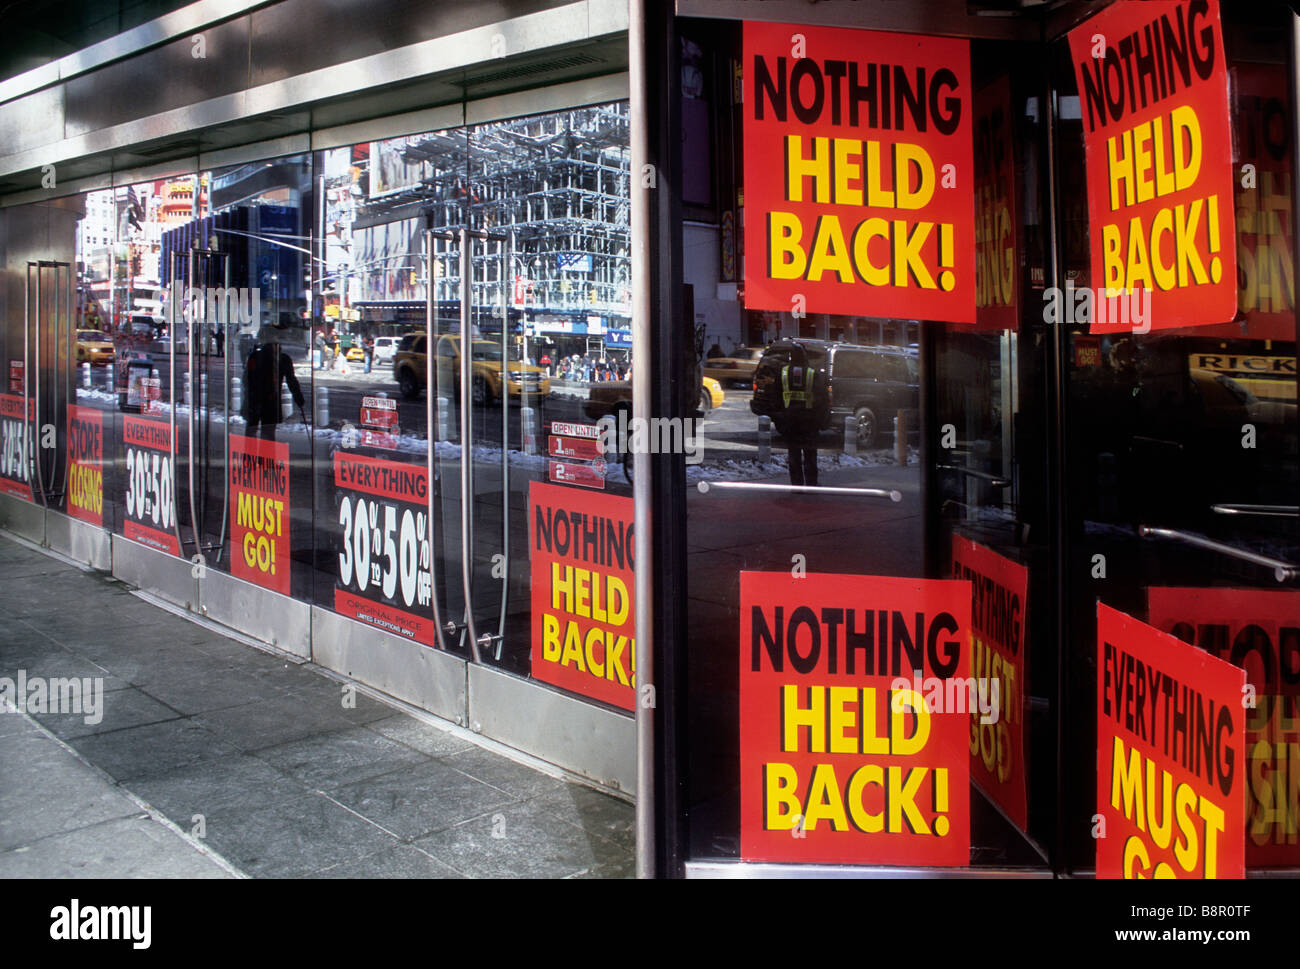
545 199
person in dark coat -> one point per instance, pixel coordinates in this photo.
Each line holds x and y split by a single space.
267 367
806 407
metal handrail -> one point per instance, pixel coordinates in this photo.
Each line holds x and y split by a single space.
35 413
1275 511
69 393
33 404
1282 570
171 405
466 447
994 480
191 419
27 401
507 249
706 486
225 404
429 434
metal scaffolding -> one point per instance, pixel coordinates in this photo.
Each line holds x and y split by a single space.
559 182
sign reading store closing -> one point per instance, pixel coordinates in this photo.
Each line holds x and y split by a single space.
859 173
1153 92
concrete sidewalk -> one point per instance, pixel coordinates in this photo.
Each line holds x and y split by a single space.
215 759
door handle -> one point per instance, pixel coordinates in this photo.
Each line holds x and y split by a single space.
225 403
507 250
1282 571
759 486
466 445
1272 511
171 404
441 630
190 417
28 401
33 416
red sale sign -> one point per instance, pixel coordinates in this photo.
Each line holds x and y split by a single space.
583 616
1171 766
1259 631
997 252
852 735
999 665
17 445
259 509
385 557
859 178
86 464
1153 90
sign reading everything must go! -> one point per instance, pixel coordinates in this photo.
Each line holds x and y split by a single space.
1153 92
1171 765
859 173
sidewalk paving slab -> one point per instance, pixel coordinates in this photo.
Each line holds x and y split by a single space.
212 758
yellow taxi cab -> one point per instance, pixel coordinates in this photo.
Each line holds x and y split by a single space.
94 348
488 386
612 396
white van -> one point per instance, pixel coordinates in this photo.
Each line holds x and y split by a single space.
385 347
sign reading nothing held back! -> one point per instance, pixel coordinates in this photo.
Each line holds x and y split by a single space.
859 173
853 719
1153 91
581 549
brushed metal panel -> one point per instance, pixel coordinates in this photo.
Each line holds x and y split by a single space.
562 25
149 173
79 541
585 739
298 36
567 24
410 123
22 518
28 81
606 17
274 148
158 80
62 189
184 21
273 618
556 97
416 674
163 575
31 121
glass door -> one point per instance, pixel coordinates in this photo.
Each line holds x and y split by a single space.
46 376
385 346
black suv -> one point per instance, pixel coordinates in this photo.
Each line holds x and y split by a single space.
872 383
